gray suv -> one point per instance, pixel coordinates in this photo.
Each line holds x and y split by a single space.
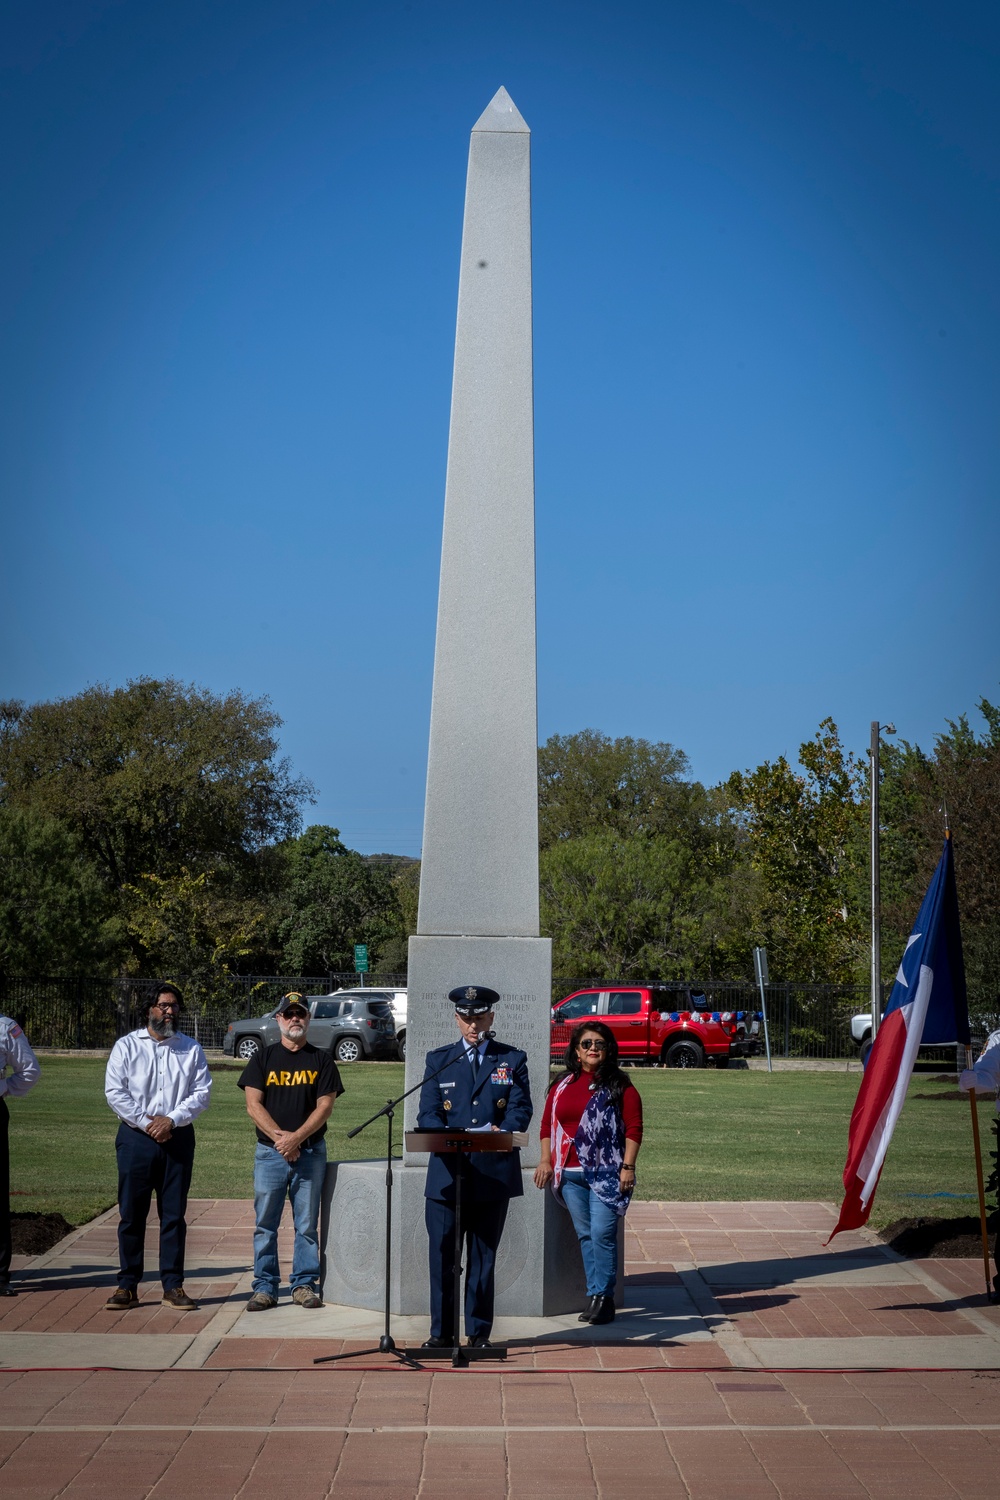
351 1028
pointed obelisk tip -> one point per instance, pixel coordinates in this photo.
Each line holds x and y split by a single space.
501 114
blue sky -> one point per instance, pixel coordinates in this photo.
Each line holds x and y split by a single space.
767 353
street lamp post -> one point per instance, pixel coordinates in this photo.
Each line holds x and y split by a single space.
876 984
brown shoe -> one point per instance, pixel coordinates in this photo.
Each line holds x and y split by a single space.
125 1297
261 1302
306 1297
177 1298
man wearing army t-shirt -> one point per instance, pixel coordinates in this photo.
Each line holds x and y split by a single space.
290 1090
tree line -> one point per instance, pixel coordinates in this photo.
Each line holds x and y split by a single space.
156 828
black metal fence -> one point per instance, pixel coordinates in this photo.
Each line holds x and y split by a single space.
804 1021
93 1013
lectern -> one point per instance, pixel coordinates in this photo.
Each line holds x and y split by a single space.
463 1143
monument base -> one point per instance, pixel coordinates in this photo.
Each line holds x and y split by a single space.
539 1269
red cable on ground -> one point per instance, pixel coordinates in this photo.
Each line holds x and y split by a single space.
727 1370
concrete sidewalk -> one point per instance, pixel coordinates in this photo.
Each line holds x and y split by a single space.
749 1360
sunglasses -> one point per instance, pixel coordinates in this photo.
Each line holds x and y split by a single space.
593 1046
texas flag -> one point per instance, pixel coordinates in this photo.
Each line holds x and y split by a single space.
928 1005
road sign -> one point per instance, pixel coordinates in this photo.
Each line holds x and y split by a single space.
361 958
759 963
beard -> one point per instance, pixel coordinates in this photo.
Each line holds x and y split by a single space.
165 1027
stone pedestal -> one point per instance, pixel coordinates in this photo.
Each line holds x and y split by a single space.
539 1270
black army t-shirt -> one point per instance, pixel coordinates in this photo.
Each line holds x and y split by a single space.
291 1082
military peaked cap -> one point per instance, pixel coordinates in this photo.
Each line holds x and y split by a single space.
473 999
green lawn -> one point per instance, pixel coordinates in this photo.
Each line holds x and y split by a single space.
725 1135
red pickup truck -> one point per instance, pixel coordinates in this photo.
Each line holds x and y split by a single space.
670 1027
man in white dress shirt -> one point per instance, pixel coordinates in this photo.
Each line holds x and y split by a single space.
157 1082
16 1054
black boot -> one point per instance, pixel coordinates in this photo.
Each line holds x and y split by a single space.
593 1303
605 1312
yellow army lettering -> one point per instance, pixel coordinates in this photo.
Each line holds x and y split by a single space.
285 1080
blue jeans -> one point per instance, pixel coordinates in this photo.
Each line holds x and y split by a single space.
596 1228
274 1179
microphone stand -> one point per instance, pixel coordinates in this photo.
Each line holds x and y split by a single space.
386 1344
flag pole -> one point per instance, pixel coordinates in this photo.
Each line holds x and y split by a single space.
979 1182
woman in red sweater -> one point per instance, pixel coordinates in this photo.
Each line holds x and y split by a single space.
591 1132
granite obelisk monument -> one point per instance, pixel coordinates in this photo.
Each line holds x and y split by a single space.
478 911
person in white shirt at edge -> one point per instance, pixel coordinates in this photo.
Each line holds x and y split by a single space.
16 1054
157 1083
985 1079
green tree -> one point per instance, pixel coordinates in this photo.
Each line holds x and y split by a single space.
181 924
962 774
405 875
406 880
624 908
52 906
636 861
156 779
335 898
589 783
154 775
803 836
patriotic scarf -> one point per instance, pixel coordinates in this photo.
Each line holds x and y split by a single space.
600 1146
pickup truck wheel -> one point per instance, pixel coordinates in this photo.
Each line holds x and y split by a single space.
401 1045
347 1050
685 1054
247 1047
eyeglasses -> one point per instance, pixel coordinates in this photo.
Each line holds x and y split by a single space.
591 1046
167 1005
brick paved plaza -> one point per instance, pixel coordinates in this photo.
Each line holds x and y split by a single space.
748 1361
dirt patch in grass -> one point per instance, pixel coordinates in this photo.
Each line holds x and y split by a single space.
33 1234
938 1239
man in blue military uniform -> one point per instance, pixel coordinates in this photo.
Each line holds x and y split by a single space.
480 1084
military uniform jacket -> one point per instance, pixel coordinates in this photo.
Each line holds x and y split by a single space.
495 1093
